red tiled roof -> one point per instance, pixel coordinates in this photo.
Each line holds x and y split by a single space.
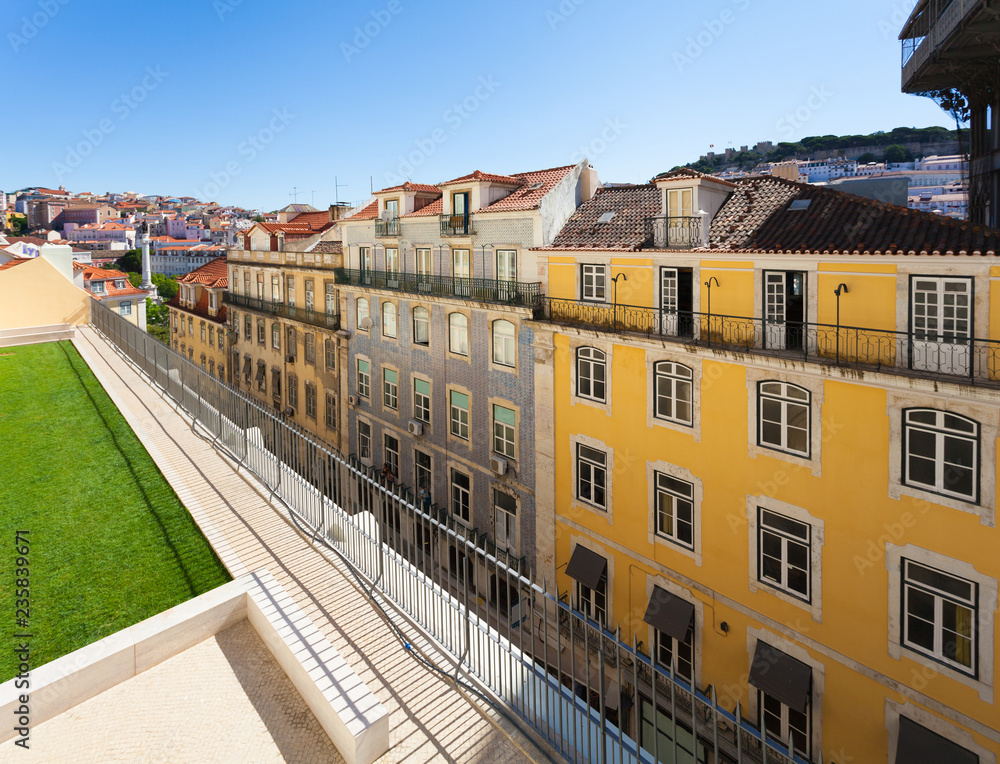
478 175
27 240
200 308
92 273
687 172
534 186
214 275
408 186
757 217
317 221
12 263
626 230
434 208
368 213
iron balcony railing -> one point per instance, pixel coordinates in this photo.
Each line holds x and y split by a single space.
456 225
305 315
520 293
387 228
965 360
674 232
929 31
580 686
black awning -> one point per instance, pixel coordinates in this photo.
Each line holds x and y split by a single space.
781 676
918 745
586 567
669 614
247 367
261 370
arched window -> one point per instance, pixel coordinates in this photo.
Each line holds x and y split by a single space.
388 319
458 332
421 326
672 399
362 307
591 374
783 414
504 345
941 453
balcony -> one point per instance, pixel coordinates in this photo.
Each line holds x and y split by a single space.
960 360
674 232
387 229
456 225
329 321
518 293
939 40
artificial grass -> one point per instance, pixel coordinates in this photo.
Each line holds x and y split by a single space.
111 544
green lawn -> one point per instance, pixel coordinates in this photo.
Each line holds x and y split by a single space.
111 544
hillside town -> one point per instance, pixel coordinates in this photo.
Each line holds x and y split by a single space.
525 465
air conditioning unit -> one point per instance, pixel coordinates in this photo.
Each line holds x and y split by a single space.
352 400
498 465
289 358
288 411
415 428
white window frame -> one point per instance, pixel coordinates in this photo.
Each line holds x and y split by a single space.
462 422
942 435
786 402
458 336
787 540
390 324
390 390
504 346
362 310
784 722
588 601
504 435
937 652
588 465
364 441
125 308
422 402
661 487
817 540
426 321
505 531
592 362
364 378
463 493
594 272
670 372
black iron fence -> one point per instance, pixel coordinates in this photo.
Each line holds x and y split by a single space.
456 225
940 356
387 228
567 680
519 293
305 315
674 232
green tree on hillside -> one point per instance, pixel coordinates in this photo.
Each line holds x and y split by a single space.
895 154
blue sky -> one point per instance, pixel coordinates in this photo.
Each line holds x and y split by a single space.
241 101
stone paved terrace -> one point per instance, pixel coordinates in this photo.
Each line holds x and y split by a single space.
430 719
225 699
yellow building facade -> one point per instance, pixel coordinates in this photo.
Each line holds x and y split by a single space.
795 509
197 317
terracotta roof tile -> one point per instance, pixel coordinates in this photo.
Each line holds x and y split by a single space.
408 186
328 248
478 175
757 216
534 186
631 206
214 274
687 172
434 208
12 263
368 213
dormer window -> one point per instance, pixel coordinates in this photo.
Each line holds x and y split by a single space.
392 207
679 202
460 203
97 287
119 283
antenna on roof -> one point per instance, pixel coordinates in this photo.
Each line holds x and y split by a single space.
336 190
295 193
313 192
